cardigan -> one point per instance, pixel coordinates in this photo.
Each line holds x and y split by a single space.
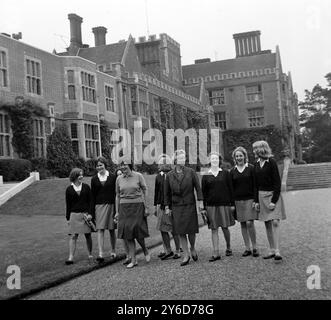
179 189
217 191
77 203
159 190
243 183
102 194
267 179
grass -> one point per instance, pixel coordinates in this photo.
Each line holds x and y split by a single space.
33 235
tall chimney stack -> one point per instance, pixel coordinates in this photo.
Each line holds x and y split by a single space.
247 43
75 30
99 36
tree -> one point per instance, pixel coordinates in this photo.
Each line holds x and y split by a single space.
106 148
60 156
315 119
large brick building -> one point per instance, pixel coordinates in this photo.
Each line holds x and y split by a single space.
120 83
249 91
129 80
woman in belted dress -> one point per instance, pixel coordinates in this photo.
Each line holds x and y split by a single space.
268 199
132 211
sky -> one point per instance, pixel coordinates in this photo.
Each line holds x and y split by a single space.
204 28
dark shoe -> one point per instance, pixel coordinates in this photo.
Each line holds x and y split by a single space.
127 261
168 255
247 253
181 250
100 259
68 262
255 253
269 256
213 258
184 263
278 257
195 257
228 252
161 254
176 256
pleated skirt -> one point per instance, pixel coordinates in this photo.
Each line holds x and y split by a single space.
220 216
245 211
132 223
77 225
265 213
185 219
104 216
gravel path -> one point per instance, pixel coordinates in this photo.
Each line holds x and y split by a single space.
305 241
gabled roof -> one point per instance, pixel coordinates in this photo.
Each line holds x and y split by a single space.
104 54
267 60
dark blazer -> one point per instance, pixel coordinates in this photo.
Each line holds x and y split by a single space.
102 194
78 203
159 190
180 191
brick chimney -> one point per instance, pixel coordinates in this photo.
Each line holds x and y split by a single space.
99 36
247 43
75 30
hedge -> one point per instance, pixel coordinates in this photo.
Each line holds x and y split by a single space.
15 169
246 137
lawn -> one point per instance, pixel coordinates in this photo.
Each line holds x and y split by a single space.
33 235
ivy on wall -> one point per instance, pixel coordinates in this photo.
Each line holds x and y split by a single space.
21 116
246 138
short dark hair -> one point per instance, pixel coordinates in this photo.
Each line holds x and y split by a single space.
130 165
74 174
103 160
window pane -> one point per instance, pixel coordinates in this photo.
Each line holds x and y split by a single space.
72 92
70 75
28 67
38 69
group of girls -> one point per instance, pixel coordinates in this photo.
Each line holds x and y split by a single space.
113 201
245 193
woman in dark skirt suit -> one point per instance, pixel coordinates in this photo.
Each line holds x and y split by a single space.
103 206
267 198
180 202
131 211
78 199
164 221
219 203
243 182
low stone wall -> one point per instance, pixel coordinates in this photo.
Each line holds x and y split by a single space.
34 176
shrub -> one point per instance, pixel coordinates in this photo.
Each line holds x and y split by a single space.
246 137
60 156
15 169
147 168
40 165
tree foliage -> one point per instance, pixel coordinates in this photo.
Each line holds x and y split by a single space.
21 116
60 156
315 120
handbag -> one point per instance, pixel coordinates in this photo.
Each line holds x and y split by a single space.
90 223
